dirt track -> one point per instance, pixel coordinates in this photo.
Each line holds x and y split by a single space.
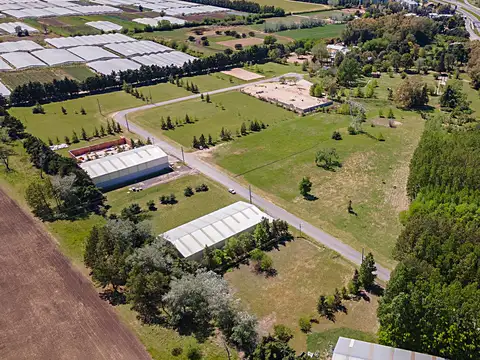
47 309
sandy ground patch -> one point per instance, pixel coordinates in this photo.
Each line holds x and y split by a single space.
294 58
242 74
245 42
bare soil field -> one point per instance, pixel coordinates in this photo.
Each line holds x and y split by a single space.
245 42
242 74
49 310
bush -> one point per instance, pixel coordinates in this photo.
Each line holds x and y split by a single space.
238 46
151 205
305 324
168 199
380 137
336 135
257 254
177 351
202 187
188 191
38 109
266 264
351 130
194 353
282 333
403 75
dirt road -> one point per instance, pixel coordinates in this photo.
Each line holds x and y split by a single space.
48 310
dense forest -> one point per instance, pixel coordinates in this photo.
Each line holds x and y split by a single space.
431 301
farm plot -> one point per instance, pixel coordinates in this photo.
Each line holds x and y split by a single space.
47 302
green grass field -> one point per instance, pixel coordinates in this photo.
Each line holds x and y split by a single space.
293 6
12 79
211 117
304 272
327 31
321 341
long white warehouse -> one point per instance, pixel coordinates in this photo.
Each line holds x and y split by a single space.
126 167
214 229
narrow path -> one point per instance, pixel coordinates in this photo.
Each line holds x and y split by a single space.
192 160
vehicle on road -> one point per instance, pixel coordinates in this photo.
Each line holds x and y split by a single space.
232 191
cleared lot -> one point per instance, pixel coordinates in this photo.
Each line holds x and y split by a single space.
50 311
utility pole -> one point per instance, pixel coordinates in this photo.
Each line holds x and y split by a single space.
250 192
183 155
126 121
300 230
99 108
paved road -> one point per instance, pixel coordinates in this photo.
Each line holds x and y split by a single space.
215 174
469 18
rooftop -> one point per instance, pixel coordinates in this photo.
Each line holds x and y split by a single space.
122 160
191 238
350 349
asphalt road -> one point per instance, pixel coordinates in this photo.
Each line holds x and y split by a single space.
469 18
217 175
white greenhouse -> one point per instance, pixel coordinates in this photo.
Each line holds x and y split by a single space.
104 25
138 48
106 67
9 27
22 45
4 91
22 60
54 57
214 229
92 53
127 166
154 21
88 40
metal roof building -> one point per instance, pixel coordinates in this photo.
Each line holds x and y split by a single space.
127 166
350 349
214 229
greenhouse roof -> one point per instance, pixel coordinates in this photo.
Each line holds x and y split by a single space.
56 56
192 237
106 67
91 53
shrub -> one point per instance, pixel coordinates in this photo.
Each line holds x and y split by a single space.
403 75
38 109
380 137
305 324
351 130
202 187
194 353
336 135
238 47
283 333
177 351
151 205
188 191
266 264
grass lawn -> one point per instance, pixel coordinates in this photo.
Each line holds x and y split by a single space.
327 31
13 79
293 6
211 117
272 69
304 272
167 217
325 340
54 123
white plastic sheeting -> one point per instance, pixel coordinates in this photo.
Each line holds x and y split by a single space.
4 65
4 91
92 53
57 56
22 45
22 60
9 27
28 13
214 229
61 11
138 48
88 40
104 25
106 67
176 58
94 9
154 21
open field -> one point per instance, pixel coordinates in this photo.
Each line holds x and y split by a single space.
293 6
320 341
237 108
167 217
47 302
53 123
327 31
304 272
12 79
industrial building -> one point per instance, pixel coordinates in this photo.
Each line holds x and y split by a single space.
351 349
214 229
127 166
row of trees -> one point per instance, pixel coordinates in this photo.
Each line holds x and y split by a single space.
304 24
431 301
58 90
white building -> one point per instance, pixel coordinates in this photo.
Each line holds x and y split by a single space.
127 166
351 349
214 229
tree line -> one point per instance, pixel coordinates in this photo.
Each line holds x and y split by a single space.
59 90
244 5
431 301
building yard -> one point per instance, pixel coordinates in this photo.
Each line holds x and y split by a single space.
49 303
304 271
